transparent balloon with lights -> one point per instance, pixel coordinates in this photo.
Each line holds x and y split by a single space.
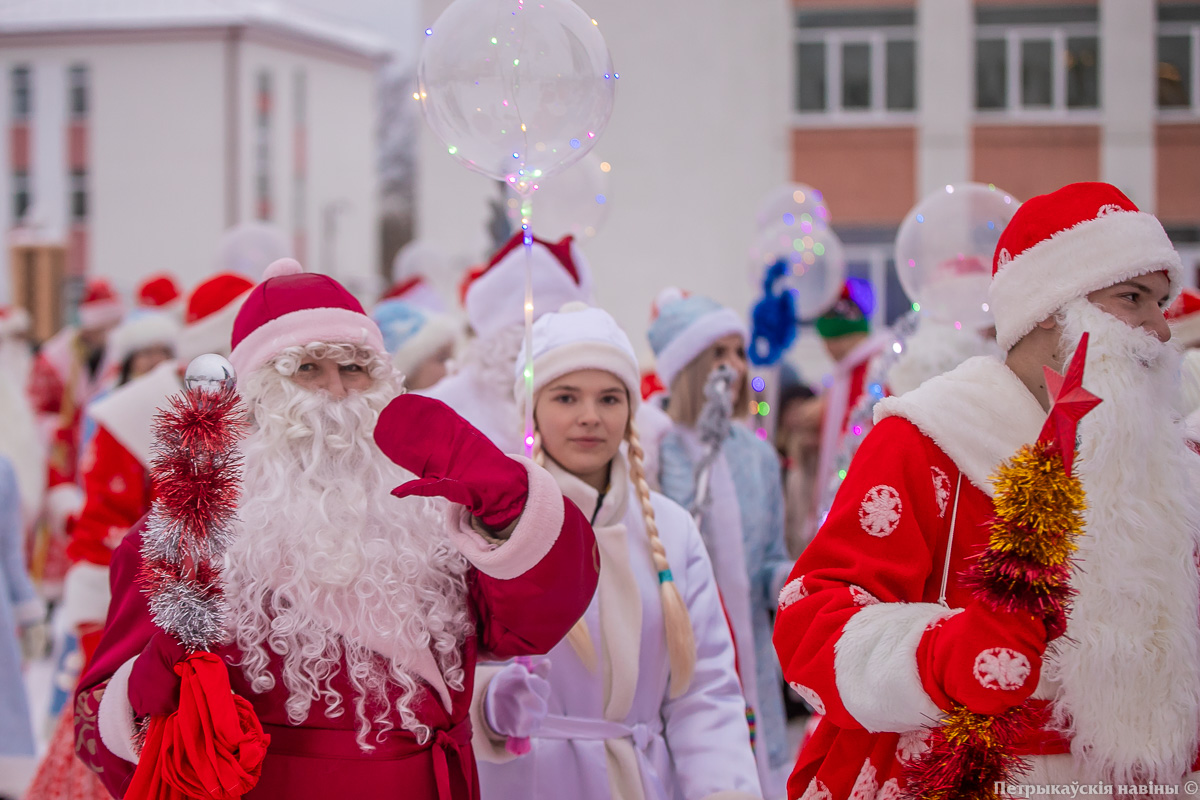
792 203
816 263
517 89
944 252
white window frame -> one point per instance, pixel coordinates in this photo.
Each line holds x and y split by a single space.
1191 30
1057 112
833 114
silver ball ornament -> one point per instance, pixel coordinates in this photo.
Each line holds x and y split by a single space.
211 372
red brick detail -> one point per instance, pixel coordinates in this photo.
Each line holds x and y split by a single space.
880 186
1029 160
18 140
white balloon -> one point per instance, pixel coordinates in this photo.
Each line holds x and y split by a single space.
575 202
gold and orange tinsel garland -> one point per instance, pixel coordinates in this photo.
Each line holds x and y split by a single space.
1026 568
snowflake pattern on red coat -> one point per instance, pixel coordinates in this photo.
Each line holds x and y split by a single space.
865 785
880 511
911 745
809 696
792 592
862 597
816 791
890 790
1001 668
941 490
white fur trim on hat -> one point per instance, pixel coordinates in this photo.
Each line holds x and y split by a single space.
1186 330
145 330
1075 262
13 321
574 357
209 334
300 328
438 331
100 313
694 339
496 299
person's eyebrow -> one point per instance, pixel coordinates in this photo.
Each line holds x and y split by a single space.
563 387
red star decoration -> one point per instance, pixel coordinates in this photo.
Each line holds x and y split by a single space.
1069 403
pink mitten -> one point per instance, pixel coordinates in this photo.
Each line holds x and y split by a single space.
986 660
452 459
515 703
153 684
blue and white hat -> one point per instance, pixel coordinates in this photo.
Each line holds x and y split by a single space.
574 338
685 328
412 334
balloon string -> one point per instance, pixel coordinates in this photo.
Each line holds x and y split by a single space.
526 216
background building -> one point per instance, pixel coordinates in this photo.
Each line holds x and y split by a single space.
136 131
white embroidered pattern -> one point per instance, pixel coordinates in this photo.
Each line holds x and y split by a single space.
792 591
1001 668
865 785
941 490
1003 257
880 511
890 790
862 597
809 696
912 744
1108 208
816 791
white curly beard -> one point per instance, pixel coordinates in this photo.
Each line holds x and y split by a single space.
1129 665
327 561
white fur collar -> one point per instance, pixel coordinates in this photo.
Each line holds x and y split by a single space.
979 414
128 412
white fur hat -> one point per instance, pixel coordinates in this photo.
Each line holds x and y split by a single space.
578 337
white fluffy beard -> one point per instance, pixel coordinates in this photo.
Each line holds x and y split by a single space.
1129 665
491 362
327 562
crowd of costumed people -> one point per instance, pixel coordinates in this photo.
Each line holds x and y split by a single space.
270 538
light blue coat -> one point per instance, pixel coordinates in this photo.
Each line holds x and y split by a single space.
758 496
19 605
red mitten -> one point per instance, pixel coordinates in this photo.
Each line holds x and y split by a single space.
452 459
153 683
986 660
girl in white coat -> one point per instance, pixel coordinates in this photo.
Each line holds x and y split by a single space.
641 701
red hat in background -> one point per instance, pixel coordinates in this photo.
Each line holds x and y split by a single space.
1184 318
292 307
158 291
101 306
208 321
1068 244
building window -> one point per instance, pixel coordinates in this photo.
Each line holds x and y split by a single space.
1179 66
77 82
22 93
262 147
855 65
1026 69
21 198
79 196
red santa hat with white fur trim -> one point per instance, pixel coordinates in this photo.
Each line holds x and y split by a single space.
158 292
100 306
292 308
496 299
211 309
1067 244
1184 318
14 321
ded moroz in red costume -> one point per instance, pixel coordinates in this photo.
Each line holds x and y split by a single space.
876 623
376 608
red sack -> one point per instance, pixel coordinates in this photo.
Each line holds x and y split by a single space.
212 747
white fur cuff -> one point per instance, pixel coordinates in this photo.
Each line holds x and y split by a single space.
536 532
115 717
875 666
85 594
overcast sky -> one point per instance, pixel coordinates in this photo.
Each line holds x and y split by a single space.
394 20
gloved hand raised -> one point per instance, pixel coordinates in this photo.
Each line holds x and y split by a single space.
451 459
515 702
153 684
986 660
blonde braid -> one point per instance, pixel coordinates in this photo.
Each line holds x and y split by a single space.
578 637
681 640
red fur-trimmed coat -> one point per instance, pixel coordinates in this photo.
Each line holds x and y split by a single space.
524 595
